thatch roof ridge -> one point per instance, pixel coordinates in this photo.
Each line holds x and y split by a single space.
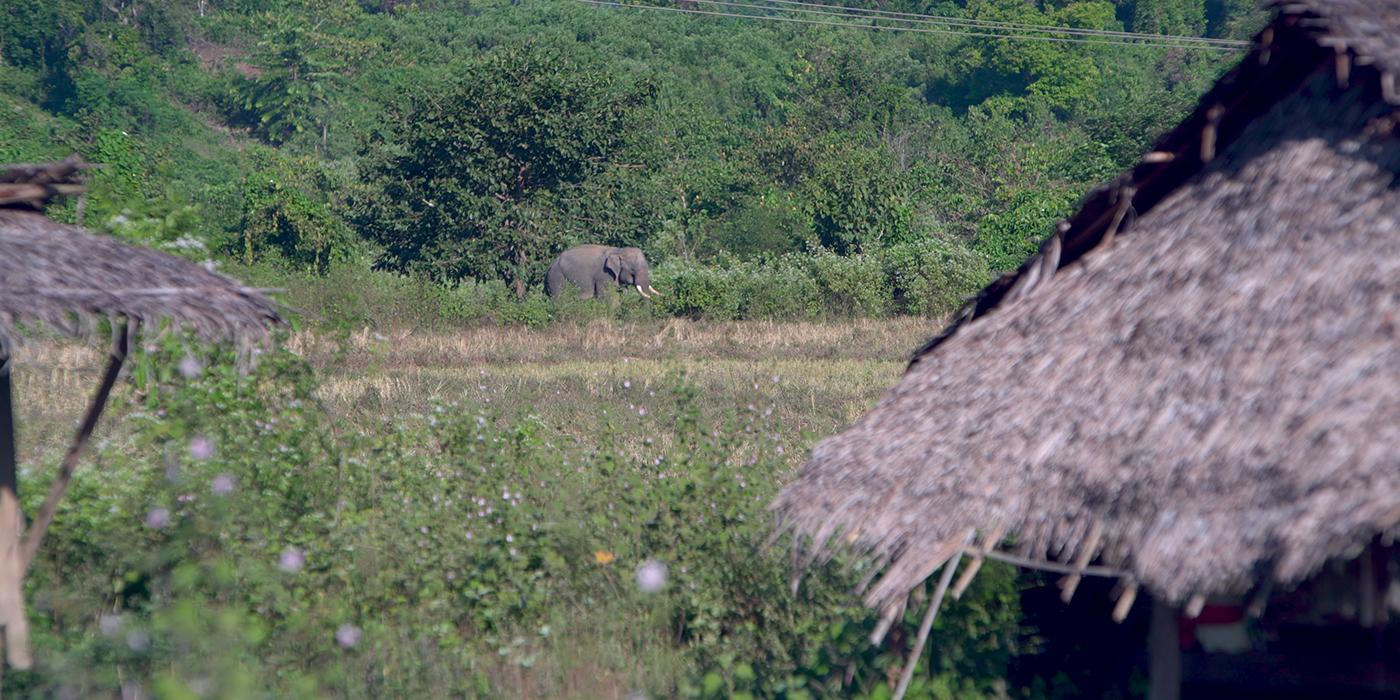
1359 33
33 185
1201 402
1366 28
66 277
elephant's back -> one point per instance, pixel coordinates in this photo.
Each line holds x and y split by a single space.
586 249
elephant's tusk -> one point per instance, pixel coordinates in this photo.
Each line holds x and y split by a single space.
642 292
653 291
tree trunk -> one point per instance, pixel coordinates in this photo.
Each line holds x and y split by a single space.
1164 653
519 275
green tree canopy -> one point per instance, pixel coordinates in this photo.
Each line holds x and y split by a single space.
466 183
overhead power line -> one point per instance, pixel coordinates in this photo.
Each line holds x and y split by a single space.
854 22
1163 39
1017 26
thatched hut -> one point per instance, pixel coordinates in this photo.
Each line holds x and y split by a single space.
67 278
1194 388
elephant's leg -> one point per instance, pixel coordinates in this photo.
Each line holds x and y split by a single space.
603 286
554 282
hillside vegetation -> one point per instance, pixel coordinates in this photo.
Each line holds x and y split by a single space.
769 170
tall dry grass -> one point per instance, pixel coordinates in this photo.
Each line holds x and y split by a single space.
860 339
815 377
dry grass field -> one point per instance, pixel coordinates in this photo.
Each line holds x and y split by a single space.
814 377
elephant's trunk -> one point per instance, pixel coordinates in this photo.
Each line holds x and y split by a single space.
643 292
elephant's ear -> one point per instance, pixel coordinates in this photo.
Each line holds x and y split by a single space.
613 264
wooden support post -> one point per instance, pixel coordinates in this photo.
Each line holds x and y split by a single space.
12 616
1368 593
9 477
1164 653
35 537
989 541
1087 549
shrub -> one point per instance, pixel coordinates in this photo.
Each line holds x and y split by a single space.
927 277
285 213
852 285
934 276
696 291
1011 234
779 289
759 227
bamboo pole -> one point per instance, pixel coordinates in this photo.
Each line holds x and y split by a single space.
992 539
1125 602
1087 549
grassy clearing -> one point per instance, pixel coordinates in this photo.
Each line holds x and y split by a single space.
812 378
648 439
815 377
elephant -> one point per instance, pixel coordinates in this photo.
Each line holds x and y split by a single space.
597 269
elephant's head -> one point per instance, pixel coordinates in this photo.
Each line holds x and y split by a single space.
629 266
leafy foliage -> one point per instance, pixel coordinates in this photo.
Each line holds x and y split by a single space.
304 59
285 215
465 185
244 546
469 144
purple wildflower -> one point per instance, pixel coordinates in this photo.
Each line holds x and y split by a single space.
222 485
292 560
347 636
651 576
191 367
201 448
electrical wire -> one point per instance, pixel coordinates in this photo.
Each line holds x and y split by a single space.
922 30
940 21
1018 26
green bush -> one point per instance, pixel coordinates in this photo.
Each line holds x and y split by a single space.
1011 234
698 291
285 213
238 544
772 288
779 289
934 276
759 227
929 277
852 285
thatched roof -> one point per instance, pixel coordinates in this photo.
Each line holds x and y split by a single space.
65 277
1196 384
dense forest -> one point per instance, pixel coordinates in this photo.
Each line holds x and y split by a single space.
768 169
